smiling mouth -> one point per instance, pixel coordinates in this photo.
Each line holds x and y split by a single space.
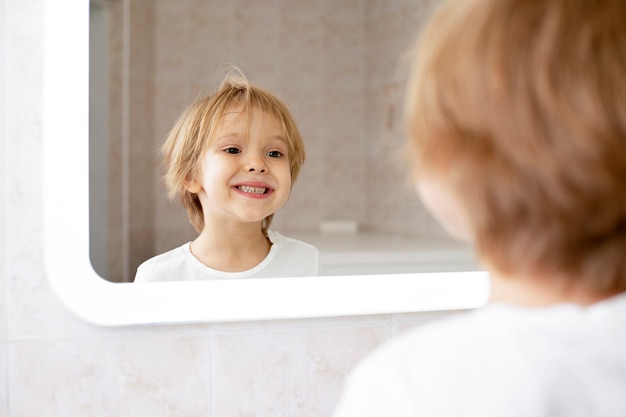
252 190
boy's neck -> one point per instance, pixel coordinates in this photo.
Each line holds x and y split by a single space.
540 292
231 249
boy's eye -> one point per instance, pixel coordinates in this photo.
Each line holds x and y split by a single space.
274 154
232 150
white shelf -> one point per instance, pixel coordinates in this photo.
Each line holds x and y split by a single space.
375 253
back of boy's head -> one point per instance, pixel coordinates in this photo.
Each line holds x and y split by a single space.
194 132
519 108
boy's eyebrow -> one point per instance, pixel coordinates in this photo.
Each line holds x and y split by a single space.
230 135
278 136
238 135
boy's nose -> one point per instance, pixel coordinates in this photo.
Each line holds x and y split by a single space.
256 164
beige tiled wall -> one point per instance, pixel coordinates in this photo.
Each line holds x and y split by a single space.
54 365
337 65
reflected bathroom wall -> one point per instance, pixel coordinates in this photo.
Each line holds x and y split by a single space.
336 64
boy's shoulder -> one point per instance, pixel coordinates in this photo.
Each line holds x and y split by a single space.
165 262
289 243
291 257
500 333
510 356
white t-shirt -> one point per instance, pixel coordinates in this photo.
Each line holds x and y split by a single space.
501 361
287 258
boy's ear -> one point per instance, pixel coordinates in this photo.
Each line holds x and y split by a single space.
192 186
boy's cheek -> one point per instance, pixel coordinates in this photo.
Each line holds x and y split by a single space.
446 209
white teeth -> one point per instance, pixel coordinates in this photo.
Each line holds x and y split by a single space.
251 190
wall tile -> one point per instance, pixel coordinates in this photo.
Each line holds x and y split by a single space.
345 44
33 310
117 377
4 58
372 320
23 277
4 379
287 372
347 192
345 9
310 9
407 321
4 175
258 51
301 50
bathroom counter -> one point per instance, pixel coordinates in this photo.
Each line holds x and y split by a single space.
373 253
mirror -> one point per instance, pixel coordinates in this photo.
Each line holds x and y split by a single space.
65 167
335 64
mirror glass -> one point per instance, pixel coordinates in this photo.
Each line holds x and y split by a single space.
336 65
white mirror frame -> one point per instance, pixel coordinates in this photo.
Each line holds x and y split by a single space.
93 299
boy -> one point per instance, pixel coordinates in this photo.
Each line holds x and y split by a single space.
516 115
232 159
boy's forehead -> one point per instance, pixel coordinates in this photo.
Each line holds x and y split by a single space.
239 118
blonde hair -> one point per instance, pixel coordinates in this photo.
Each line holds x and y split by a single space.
519 106
194 132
